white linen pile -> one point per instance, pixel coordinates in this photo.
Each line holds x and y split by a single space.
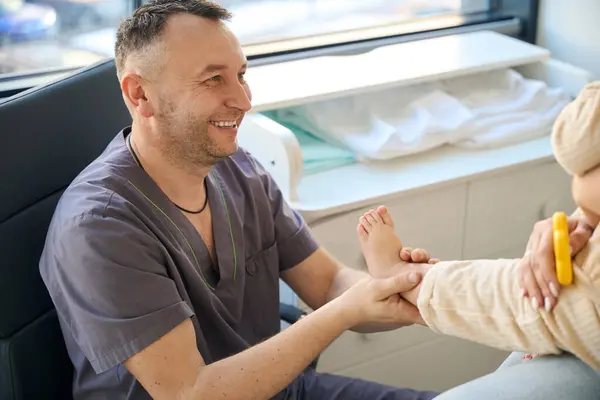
485 110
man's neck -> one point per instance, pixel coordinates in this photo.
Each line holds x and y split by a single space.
183 186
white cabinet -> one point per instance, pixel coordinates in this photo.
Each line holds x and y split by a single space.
502 209
436 365
354 349
432 220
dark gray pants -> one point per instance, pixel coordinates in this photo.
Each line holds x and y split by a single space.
314 386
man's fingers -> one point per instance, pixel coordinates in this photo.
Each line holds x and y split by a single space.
419 320
408 313
402 282
395 298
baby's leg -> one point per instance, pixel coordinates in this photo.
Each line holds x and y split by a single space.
381 248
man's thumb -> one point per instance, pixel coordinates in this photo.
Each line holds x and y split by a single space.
402 282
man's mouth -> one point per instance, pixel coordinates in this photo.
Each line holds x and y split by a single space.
224 124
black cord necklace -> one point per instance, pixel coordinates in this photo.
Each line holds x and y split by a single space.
137 160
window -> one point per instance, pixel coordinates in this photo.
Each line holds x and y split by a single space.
38 37
43 35
288 19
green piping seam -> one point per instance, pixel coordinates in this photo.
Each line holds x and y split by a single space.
179 230
228 223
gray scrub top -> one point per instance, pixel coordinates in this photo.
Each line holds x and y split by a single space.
124 266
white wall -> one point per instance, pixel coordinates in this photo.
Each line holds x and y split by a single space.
570 30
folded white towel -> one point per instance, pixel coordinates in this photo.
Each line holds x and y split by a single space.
488 109
507 107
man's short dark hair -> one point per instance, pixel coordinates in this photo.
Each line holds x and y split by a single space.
145 26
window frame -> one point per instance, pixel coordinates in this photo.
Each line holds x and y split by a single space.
517 18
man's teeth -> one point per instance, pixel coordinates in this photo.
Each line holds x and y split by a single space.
224 124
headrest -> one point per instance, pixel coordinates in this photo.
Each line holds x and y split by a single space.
50 133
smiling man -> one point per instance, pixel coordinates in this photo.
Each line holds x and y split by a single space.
164 255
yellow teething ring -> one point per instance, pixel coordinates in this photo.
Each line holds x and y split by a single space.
562 254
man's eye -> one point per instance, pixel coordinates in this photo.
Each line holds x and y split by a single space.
215 78
241 76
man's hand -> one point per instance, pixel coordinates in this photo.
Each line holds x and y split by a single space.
377 301
412 295
537 271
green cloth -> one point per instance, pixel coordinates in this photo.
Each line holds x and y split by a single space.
317 155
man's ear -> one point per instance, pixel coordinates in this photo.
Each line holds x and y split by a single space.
134 90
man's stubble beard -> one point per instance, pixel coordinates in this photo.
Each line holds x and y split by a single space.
186 144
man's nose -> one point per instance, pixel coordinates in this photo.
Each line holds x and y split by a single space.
239 98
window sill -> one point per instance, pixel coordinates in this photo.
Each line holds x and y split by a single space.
367 39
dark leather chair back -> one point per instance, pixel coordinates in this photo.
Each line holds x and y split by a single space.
47 136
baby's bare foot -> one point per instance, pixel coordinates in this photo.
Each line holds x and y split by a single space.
379 243
381 248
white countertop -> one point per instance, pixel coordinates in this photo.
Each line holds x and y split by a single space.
358 185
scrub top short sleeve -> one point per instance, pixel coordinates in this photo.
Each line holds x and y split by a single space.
295 241
114 294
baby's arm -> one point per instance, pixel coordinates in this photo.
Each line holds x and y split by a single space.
480 301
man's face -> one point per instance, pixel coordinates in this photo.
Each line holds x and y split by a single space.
586 193
201 92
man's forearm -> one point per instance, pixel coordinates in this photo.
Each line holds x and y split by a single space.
267 368
344 279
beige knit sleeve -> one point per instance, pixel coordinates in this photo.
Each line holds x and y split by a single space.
480 301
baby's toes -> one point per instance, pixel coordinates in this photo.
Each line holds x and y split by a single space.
370 218
376 217
361 230
383 212
365 223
